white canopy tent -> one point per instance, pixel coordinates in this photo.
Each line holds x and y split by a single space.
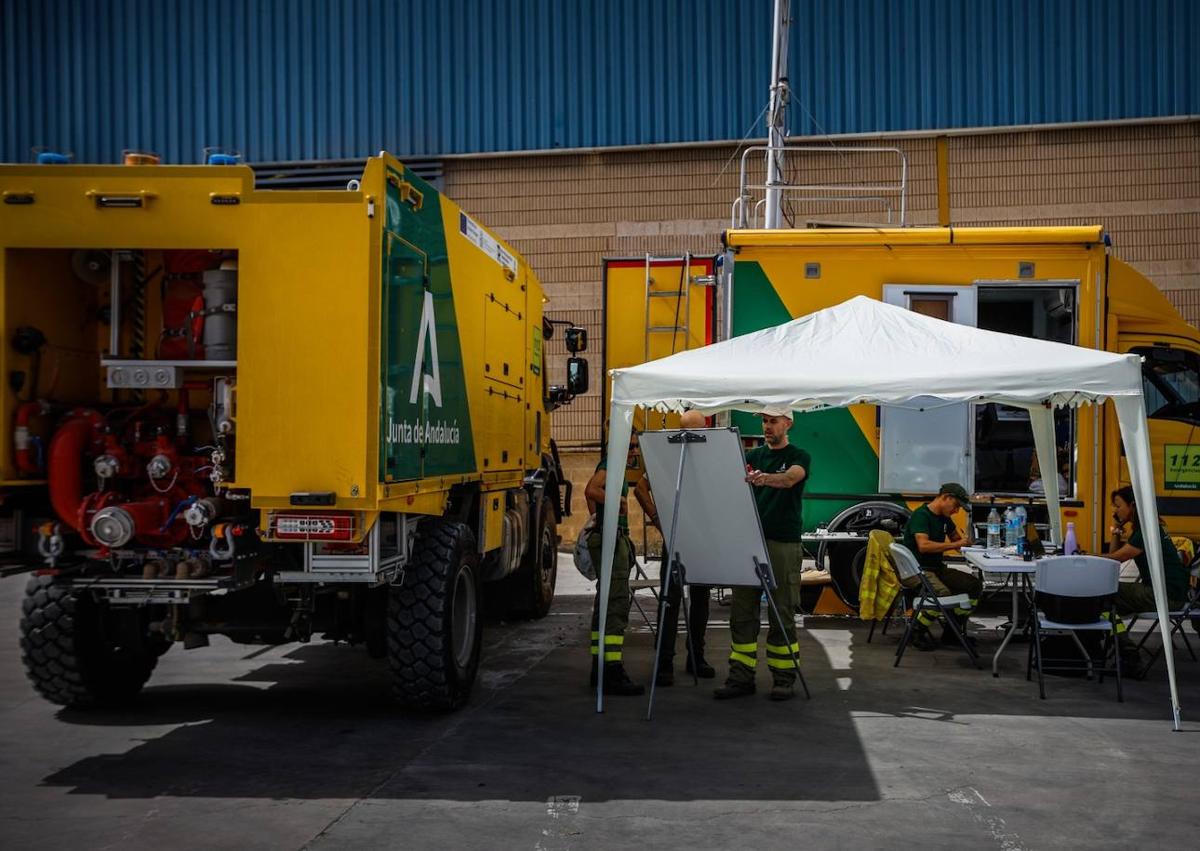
865 351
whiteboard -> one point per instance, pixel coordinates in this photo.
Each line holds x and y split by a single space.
719 533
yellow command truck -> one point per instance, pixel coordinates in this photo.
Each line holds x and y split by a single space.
264 415
872 464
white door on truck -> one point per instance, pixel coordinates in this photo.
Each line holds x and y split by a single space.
927 442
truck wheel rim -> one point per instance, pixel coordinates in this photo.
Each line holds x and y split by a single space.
549 555
465 613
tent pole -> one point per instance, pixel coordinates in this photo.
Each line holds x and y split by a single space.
1131 416
1042 420
620 426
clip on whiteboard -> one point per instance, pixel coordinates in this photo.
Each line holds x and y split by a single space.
687 437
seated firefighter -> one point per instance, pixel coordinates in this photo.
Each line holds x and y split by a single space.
930 533
1136 597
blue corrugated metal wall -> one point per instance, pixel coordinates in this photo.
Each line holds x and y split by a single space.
304 79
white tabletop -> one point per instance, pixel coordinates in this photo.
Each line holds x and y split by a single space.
994 561
817 537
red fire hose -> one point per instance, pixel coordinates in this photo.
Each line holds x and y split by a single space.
64 464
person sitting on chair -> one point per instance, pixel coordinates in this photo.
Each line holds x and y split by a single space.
1136 597
929 533
698 609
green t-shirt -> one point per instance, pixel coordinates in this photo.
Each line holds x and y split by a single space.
623 522
924 521
779 508
1174 573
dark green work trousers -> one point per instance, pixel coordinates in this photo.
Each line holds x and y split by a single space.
618 597
744 621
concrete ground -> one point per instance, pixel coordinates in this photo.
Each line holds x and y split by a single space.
297 747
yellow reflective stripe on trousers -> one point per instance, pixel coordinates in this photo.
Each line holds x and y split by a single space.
772 662
1118 627
595 635
750 648
612 656
614 639
783 649
748 661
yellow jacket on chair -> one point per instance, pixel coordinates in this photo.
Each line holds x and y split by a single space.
879 584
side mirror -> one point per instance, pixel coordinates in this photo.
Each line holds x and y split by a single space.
576 339
577 376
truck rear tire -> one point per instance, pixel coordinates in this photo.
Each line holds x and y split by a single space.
529 592
70 654
845 559
434 627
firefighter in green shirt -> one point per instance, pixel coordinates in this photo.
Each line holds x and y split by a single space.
777 471
616 680
1133 598
929 533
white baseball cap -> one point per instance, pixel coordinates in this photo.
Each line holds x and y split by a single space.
776 411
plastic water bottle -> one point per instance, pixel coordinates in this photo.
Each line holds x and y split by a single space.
1070 543
993 529
1010 527
1022 519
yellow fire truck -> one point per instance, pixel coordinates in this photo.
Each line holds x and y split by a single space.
268 415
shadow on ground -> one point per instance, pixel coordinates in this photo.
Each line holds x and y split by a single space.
317 724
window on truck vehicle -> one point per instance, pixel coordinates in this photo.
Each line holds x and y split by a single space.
1171 383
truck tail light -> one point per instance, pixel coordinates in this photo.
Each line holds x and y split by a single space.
312 527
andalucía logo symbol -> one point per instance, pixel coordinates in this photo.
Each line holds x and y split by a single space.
432 384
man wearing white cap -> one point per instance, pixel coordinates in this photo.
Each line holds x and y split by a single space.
777 471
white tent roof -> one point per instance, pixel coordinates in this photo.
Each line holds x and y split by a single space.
865 351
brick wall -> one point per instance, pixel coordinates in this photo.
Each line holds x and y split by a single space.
565 212
1187 302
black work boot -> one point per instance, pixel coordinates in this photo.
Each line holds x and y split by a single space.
617 682
948 633
1131 660
703 670
783 690
922 638
732 689
666 674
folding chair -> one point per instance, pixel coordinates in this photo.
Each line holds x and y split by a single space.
1076 587
1177 617
900 604
924 599
640 581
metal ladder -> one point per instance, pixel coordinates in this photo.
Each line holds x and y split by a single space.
683 306
683 300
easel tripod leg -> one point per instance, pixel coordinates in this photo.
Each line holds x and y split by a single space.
658 645
685 609
783 628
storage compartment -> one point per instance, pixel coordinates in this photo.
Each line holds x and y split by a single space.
110 360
